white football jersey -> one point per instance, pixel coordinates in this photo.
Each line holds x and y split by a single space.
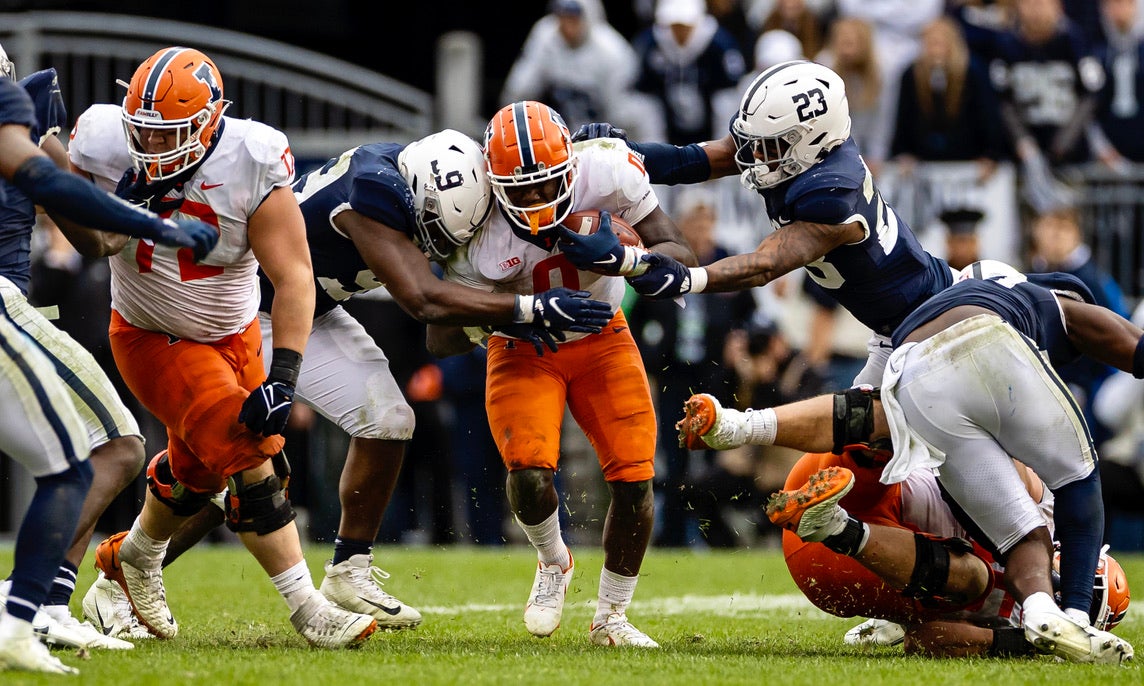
161 288
612 178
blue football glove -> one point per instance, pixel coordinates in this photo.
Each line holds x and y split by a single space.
267 408
600 252
665 277
562 309
199 236
535 334
598 130
134 187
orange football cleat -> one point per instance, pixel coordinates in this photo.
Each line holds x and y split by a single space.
809 510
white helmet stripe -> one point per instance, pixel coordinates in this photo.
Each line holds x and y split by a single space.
157 71
523 138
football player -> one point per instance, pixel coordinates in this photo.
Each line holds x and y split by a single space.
46 427
790 142
377 214
993 340
185 331
539 179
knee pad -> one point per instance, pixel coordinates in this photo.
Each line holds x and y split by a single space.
931 567
854 422
262 507
162 483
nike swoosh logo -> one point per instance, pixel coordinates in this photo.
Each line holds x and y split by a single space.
668 280
611 259
102 624
207 186
392 612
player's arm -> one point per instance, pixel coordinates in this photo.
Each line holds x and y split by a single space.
951 638
275 231
673 164
398 263
1105 336
88 242
660 234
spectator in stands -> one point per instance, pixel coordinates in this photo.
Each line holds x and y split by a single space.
732 16
962 247
685 59
576 61
794 17
1058 246
1122 56
946 107
850 53
682 350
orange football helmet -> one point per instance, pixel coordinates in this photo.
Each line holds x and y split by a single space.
531 165
1110 594
178 91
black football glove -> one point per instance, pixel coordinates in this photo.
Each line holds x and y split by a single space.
267 408
539 336
598 129
664 278
601 251
562 309
134 188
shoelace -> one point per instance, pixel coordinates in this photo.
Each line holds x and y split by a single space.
373 578
547 593
624 629
327 622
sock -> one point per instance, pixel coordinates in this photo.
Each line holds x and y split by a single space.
546 538
295 585
345 548
615 595
142 551
764 425
63 585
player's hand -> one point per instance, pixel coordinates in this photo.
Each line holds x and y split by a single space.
199 236
562 309
600 251
268 407
539 336
665 277
600 129
135 189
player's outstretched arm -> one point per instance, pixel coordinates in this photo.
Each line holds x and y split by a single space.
673 164
1105 336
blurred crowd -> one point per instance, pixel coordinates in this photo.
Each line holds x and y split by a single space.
1035 84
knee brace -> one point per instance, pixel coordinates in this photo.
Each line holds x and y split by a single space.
262 507
931 567
162 483
854 421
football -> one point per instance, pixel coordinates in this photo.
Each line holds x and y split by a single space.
587 222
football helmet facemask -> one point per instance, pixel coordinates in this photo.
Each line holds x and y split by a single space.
791 116
1110 594
7 68
451 192
531 165
177 91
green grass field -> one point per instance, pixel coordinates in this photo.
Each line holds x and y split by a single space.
721 618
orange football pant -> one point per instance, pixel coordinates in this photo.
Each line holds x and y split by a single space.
602 380
197 390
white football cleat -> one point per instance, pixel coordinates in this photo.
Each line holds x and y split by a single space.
325 625
707 424
545 604
355 585
27 654
148 596
1061 635
875 632
107 607
618 631
56 627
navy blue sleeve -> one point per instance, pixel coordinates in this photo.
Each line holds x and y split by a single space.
51 114
1079 518
15 105
385 198
834 205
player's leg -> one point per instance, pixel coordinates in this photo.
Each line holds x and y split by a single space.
116 458
345 377
42 431
525 398
610 399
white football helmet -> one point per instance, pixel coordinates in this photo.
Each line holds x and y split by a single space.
7 68
451 192
987 270
791 115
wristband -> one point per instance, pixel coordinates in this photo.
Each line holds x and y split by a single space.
632 264
285 366
698 279
1010 641
1138 359
522 309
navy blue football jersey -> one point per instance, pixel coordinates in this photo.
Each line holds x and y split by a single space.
48 116
365 179
1026 303
880 279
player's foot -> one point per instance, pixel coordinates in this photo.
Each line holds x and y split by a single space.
812 511
107 607
326 625
1057 633
707 424
25 653
546 602
55 626
355 585
143 586
875 632
618 631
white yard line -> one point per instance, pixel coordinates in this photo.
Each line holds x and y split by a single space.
723 605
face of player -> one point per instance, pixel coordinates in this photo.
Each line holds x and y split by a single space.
154 141
534 194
